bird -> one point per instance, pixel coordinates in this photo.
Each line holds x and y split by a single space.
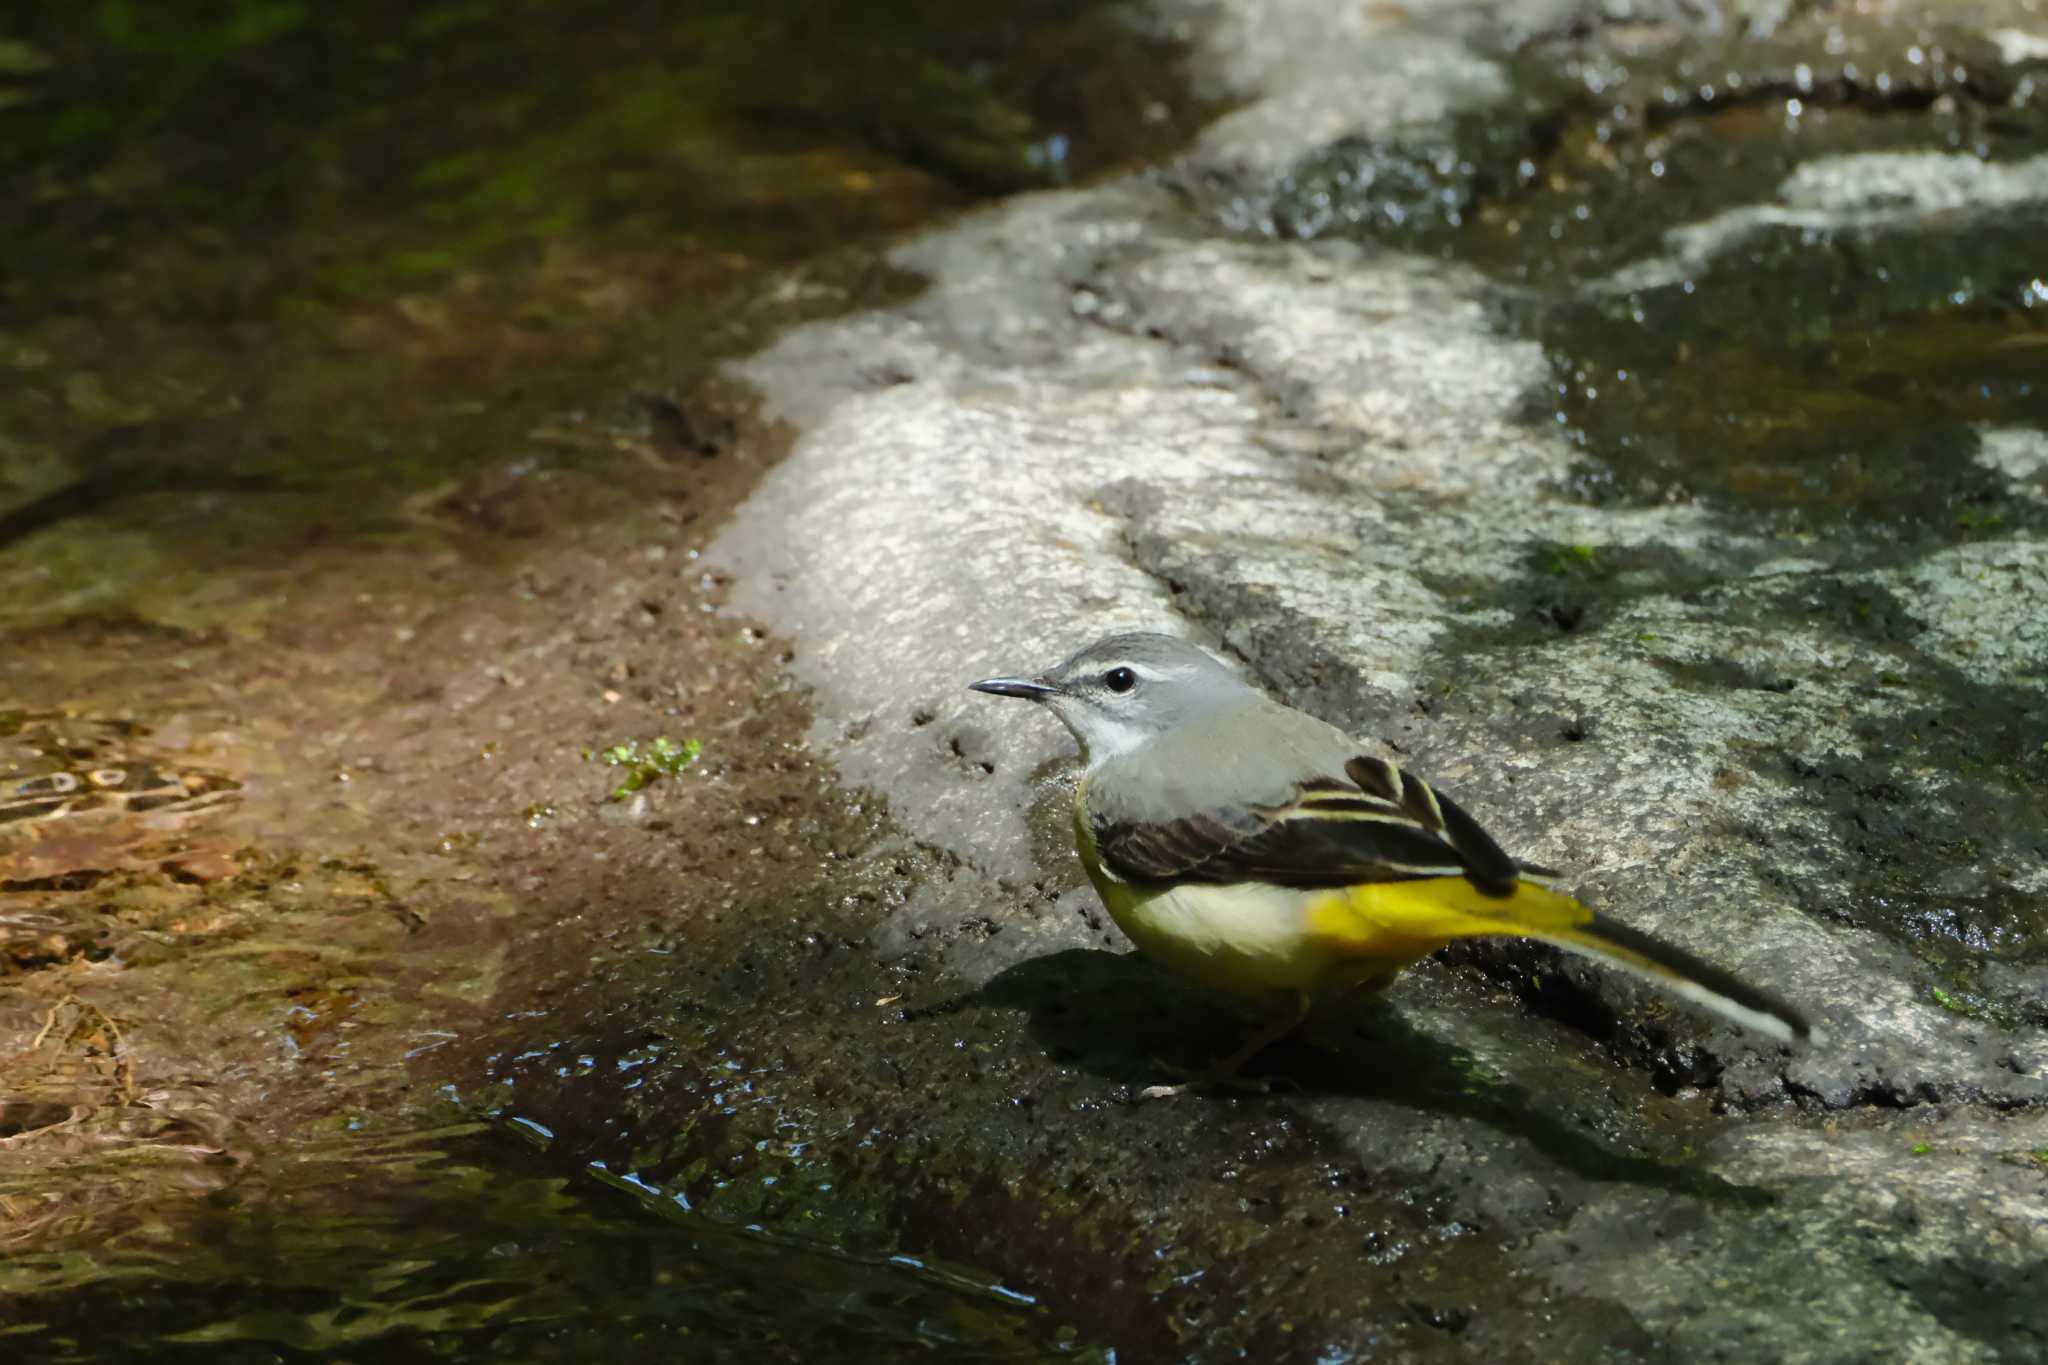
1262 853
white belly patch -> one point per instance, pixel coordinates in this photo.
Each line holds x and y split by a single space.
1245 939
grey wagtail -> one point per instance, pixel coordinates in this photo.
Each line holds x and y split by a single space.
1255 850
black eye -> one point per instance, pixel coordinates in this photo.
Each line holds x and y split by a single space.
1119 680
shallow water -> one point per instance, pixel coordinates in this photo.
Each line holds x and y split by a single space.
323 325
467 1240
284 275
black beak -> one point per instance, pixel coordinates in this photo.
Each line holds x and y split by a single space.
1031 689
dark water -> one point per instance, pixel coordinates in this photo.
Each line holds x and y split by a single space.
295 262
467 1242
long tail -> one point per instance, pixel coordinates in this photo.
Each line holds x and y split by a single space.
1685 976
1453 908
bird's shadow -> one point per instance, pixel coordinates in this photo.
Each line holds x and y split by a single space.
1116 1016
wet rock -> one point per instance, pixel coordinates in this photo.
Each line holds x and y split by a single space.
1813 757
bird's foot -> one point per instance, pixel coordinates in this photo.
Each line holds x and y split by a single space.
1165 1092
1213 1078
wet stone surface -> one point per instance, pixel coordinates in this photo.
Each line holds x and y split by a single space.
1834 218
1749 641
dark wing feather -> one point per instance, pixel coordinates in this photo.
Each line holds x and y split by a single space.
1380 825
1491 870
1169 850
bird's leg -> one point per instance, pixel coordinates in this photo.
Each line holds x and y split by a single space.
1224 1072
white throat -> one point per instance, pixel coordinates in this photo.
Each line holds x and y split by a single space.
1106 738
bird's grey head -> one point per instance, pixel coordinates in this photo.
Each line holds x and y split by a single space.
1124 690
